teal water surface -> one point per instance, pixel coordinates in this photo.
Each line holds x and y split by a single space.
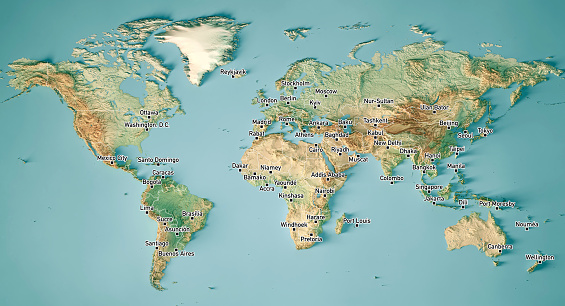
74 234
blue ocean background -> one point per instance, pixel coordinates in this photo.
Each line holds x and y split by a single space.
73 232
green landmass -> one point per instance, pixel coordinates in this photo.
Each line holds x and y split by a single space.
188 212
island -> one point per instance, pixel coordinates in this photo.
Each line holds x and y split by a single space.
487 236
293 34
339 224
205 43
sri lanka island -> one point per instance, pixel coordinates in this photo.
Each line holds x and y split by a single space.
412 104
